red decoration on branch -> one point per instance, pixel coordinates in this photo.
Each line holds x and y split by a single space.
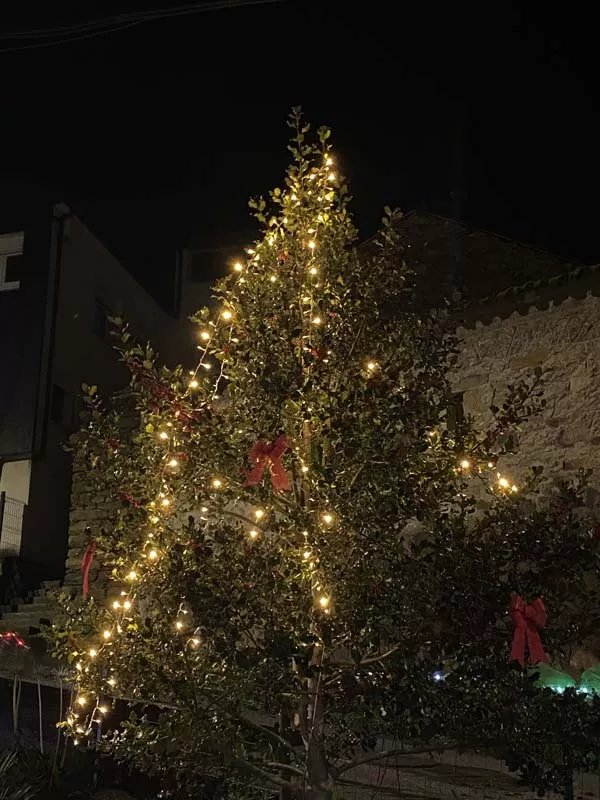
129 499
12 638
264 453
86 563
527 619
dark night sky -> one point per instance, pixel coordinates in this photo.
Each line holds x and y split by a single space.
158 134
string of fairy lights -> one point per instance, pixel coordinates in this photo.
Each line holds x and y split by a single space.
322 180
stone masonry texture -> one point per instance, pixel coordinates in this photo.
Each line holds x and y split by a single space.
563 339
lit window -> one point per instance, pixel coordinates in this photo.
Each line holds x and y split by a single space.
11 261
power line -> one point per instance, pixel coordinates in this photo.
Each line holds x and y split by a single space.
106 25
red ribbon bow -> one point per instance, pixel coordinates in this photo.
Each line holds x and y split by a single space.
527 619
86 563
264 453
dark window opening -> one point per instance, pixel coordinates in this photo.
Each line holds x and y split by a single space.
207 265
101 326
65 408
58 404
456 412
13 268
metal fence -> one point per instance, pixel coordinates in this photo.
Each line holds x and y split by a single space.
11 525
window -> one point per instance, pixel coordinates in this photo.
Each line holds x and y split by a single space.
205 266
11 261
101 325
64 408
456 412
57 404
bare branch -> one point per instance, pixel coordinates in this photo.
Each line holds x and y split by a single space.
401 751
382 657
287 768
270 733
365 661
246 767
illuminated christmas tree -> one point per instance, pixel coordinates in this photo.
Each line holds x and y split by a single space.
299 582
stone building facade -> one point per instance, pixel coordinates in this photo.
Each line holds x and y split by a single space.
519 308
563 338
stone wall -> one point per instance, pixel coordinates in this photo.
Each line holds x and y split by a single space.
90 511
564 339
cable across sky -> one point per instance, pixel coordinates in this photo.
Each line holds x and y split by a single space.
64 34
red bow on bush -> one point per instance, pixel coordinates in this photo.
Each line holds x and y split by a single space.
86 563
268 453
527 619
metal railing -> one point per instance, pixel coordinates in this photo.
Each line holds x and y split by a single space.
11 525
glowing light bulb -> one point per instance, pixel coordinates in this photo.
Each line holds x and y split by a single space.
304 468
193 384
111 682
205 335
317 320
131 575
312 244
116 605
106 634
329 161
103 709
173 463
324 601
127 605
514 488
371 366
82 700
205 366
227 314
259 513
306 554
179 624
154 520
93 652
504 483
204 510
331 176
328 518
217 483
313 270
163 435
238 267
253 533
79 666
273 278
491 464
195 642
166 501
153 555
465 464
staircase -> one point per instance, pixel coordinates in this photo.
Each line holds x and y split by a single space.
28 615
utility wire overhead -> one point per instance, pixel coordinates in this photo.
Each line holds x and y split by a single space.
64 34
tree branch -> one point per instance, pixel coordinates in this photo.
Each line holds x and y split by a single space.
286 767
268 732
391 790
247 767
365 661
382 657
382 754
